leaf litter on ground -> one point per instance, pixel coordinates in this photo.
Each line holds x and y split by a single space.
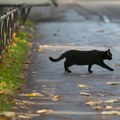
112 83
44 111
85 94
83 86
56 98
112 112
32 94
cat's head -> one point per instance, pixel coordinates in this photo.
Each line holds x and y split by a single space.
108 55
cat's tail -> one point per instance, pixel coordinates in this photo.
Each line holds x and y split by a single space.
57 59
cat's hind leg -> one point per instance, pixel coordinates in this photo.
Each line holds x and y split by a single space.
89 69
66 65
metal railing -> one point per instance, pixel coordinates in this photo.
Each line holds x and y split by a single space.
8 29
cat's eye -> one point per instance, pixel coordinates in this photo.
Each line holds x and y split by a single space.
109 54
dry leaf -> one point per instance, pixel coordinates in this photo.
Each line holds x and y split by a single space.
108 107
83 86
27 62
8 114
56 97
110 113
101 95
93 103
97 107
112 83
45 111
117 64
34 72
85 94
33 94
24 116
1 92
3 117
111 101
41 50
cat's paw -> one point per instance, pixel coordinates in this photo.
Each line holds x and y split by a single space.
68 71
111 69
90 71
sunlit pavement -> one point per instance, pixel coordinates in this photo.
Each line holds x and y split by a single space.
52 94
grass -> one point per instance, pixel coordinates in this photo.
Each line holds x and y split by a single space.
11 69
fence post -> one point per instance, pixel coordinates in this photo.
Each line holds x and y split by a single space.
8 29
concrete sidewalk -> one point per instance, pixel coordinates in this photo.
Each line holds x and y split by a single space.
52 94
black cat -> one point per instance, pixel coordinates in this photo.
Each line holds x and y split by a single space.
76 57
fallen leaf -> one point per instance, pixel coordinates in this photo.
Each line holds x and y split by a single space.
101 95
40 50
8 114
97 107
111 101
3 117
1 92
108 107
24 116
110 113
117 64
112 83
93 103
82 86
85 94
45 111
56 97
33 94
34 72
27 62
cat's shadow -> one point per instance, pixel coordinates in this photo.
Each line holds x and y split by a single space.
77 74
73 74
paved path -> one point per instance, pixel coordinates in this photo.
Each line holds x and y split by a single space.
52 94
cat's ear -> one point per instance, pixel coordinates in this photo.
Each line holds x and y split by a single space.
108 50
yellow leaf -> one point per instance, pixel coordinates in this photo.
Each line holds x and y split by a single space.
83 86
14 34
45 111
56 97
8 114
101 95
24 116
110 113
108 107
33 94
111 101
117 64
14 44
41 50
1 92
85 94
97 107
93 103
3 117
112 83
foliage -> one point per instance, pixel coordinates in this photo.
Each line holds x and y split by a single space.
11 72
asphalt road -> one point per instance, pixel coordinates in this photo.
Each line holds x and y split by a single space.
108 8
51 93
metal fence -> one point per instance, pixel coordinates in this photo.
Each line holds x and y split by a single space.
8 29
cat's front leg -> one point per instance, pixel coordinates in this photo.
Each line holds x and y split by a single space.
89 69
106 66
